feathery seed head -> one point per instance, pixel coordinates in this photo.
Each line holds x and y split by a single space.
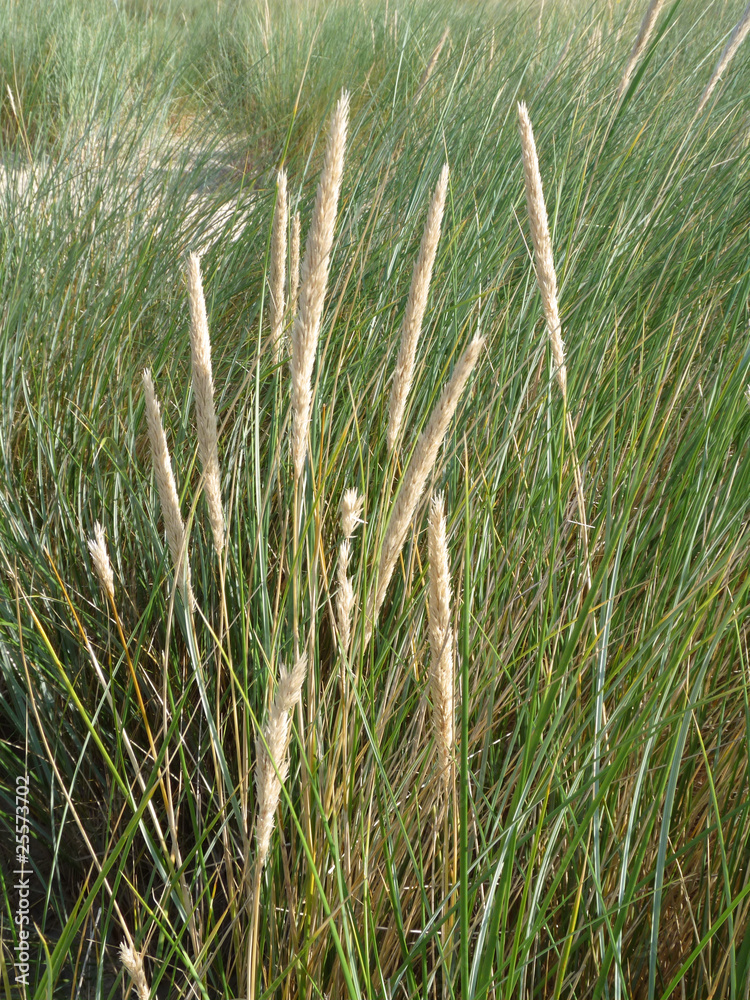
132 962
294 262
272 761
167 489
432 62
203 389
441 639
641 40
415 310
739 34
545 267
416 475
278 264
351 509
100 558
306 329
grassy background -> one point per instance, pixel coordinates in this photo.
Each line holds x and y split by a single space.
603 851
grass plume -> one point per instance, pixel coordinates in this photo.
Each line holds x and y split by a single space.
203 390
415 309
738 36
415 477
100 558
278 264
313 281
640 43
545 267
351 509
132 962
441 636
294 263
167 489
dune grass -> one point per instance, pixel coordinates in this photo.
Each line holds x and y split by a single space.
587 831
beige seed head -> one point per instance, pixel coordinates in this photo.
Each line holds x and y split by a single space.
545 267
100 558
738 36
351 508
278 264
441 638
12 101
306 329
294 263
132 962
415 309
432 61
203 389
415 478
641 40
345 594
272 760
167 489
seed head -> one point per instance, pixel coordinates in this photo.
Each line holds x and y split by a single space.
132 962
415 309
203 390
278 264
415 477
272 761
306 329
441 638
100 558
167 489
545 267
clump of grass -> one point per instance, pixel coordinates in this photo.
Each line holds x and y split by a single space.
598 782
